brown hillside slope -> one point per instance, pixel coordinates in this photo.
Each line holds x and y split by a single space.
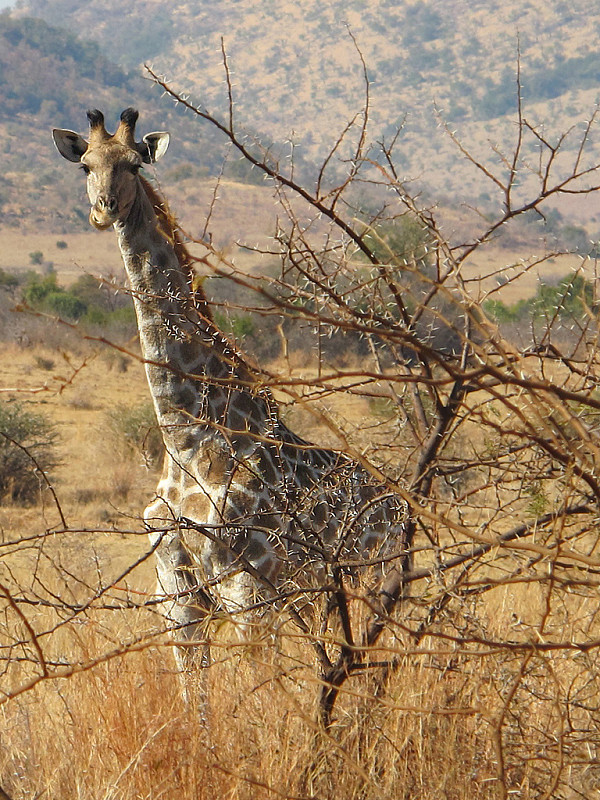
297 72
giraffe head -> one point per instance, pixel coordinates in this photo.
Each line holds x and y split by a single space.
111 163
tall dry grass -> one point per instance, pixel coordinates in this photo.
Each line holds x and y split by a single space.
122 731
473 717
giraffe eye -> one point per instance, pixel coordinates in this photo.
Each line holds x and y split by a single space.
85 168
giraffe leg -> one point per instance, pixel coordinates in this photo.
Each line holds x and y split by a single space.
193 663
186 609
192 654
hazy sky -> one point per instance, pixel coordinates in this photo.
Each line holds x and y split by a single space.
5 3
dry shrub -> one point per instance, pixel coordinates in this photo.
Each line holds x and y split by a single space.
463 712
82 400
134 431
44 363
130 446
115 360
122 480
27 448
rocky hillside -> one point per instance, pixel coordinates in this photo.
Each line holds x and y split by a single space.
298 75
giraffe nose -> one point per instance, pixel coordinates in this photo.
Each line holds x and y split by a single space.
107 203
104 211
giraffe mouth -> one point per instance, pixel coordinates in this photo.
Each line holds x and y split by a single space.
102 220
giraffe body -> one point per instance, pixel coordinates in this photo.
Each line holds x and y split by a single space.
244 508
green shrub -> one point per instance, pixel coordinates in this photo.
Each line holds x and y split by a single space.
404 240
65 304
27 445
91 292
8 280
508 313
572 297
37 288
85 300
238 325
122 317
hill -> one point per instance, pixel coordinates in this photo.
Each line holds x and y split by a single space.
298 75
298 80
48 71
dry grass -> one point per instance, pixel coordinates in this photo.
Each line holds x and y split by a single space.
122 731
449 723
461 715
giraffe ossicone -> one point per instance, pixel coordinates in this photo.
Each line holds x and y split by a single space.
245 509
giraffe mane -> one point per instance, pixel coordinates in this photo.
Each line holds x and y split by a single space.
169 228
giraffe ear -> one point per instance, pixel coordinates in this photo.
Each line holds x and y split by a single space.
154 146
69 144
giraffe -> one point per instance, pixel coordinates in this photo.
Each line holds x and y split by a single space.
245 508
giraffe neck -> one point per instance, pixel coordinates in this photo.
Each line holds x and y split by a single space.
200 385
